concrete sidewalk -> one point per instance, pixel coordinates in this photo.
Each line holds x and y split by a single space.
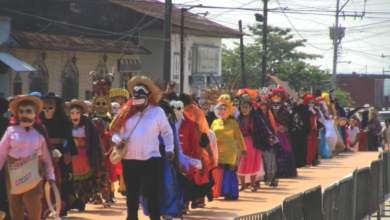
328 172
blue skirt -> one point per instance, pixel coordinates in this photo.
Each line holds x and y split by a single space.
229 186
324 150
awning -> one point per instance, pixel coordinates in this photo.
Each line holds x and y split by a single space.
125 65
15 63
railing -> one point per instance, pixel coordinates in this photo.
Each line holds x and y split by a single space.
354 197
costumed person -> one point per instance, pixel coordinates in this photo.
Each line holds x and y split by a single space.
284 155
257 138
353 136
227 133
89 104
115 108
141 121
342 124
106 142
299 128
59 129
89 170
25 153
314 114
4 207
328 137
376 128
119 96
269 156
101 103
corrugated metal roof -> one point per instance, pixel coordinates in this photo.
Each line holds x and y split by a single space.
193 22
40 41
15 63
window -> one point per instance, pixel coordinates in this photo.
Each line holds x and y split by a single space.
17 84
70 82
39 79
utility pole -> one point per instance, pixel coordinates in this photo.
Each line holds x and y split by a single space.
167 41
335 47
243 77
182 50
264 54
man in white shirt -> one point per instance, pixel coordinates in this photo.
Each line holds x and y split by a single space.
140 122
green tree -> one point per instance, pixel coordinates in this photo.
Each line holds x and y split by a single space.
342 98
283 60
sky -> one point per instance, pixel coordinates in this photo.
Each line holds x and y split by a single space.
366 39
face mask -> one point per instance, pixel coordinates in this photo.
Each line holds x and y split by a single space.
75 115
178 107
302 94
205 109
101 107
140 98
310 104
49 108
89 105
115 108
276 105
26 116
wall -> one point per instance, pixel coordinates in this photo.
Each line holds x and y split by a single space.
152 65
55 63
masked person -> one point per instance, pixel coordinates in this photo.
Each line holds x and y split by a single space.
119 96
188 141
299 128
25 147
107 144
257 138
314 114
141 121
89 170
328 136
227 133
59 129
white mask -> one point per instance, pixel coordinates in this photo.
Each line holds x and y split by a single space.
276 104
89 105
178 107
115 108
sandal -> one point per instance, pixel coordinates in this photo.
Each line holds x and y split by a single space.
98 201
242 188
253 189
106 205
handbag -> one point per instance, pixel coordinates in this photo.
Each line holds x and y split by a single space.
117 154
24 174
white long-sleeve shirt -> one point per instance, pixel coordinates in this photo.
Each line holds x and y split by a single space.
19 143
143 143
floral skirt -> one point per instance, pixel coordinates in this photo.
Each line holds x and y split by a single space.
94 185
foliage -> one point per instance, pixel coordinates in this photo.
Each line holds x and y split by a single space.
283 60
342 98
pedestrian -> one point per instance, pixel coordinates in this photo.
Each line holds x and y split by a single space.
353 136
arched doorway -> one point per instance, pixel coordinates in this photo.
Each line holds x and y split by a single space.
70 82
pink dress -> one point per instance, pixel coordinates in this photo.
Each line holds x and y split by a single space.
249 165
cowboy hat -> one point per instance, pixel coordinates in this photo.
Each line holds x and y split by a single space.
3 106
14 104
186 99
82 104
154 90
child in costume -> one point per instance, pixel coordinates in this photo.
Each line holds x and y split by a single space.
227 133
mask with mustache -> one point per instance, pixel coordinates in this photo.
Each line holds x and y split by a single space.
26 116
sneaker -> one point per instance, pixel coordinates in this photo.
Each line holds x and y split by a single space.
201 205
166 217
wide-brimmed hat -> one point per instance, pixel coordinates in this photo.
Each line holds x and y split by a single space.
82 104
3 106
186 99
53 96
154 90
14 104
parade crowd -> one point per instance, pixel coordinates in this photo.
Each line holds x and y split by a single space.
169 151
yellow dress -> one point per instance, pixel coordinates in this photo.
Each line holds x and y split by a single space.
227 134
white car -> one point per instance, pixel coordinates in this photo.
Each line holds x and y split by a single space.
383 115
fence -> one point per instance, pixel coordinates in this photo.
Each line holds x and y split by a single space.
354 197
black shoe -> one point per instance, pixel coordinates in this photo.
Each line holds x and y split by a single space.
194 204
185 209
210 196
112 195
63 213
123 193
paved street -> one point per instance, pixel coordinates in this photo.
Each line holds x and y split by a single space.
329 171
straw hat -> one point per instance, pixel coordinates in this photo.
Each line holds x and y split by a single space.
82 104
14 104
154 90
